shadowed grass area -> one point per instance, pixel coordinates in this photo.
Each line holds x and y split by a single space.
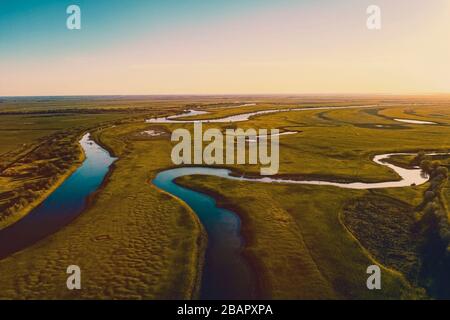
386 227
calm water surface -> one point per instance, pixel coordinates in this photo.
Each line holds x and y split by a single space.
226 274
63 205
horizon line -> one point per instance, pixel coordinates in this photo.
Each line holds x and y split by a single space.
229 95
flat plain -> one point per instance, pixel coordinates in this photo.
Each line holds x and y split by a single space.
134 241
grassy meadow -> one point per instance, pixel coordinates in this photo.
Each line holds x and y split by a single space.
134 241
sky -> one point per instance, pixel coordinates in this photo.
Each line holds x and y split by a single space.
224 47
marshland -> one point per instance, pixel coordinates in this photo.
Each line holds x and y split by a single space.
133 238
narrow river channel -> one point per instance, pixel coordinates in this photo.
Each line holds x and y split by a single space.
226 274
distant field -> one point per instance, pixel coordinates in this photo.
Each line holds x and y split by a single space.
156 103
17 130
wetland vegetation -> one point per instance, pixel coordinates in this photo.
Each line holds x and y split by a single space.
134 241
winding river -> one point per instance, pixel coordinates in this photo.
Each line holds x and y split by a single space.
63 205
227 274
239 117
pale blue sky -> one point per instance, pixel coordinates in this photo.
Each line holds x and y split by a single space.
223 46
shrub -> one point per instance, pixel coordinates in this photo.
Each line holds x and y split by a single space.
429 195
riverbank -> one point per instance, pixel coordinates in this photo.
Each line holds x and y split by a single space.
193 291
45 193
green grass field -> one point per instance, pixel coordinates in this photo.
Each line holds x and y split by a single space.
304 242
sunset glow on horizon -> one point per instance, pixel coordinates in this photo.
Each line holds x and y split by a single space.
224 47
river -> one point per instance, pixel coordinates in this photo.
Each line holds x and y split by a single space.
63 205
226 274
